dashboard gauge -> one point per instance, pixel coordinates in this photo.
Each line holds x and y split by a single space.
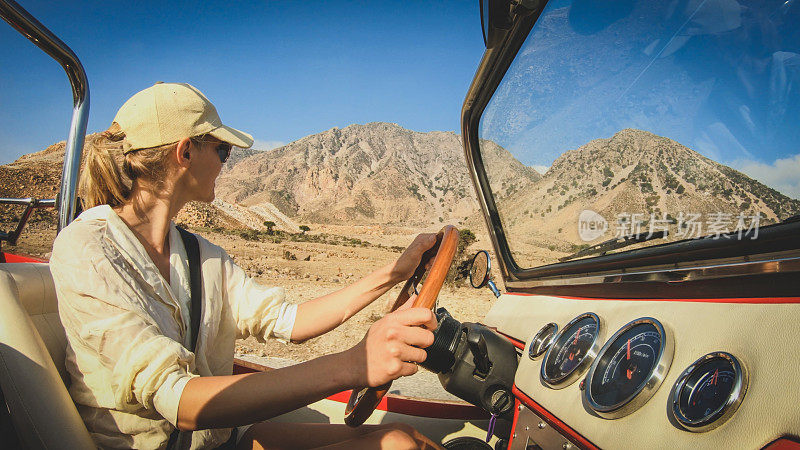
629 369
708 392
572 351
542 340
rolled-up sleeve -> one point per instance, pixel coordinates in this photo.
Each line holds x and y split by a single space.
258 310
111 333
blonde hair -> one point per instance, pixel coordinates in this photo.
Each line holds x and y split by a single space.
108 173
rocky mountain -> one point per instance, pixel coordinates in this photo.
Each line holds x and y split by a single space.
38 175
377 173
635 172
34 175
381 173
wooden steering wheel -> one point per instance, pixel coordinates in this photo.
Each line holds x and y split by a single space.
364 401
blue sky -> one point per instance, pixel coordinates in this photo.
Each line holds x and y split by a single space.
721 77
278 69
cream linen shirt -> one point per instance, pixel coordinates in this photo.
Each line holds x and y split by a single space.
125 327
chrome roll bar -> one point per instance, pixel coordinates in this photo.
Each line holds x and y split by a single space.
37 33
30 204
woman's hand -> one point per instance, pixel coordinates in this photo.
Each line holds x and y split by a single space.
392 346
407 263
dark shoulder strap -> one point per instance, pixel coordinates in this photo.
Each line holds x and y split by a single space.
195 282
196 292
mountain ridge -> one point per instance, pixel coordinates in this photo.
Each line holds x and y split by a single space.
383 174
634 172
364 172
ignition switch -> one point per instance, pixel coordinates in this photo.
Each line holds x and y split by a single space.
501 402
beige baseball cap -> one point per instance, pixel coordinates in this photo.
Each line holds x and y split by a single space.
165 113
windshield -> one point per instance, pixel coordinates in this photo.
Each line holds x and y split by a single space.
646 122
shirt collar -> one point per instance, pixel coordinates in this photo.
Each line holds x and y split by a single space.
120 235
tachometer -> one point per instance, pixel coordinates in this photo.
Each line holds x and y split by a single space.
572 350
708 392
629 369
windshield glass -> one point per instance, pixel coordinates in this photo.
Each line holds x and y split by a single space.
646 122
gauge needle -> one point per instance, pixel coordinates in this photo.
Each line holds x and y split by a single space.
714 378
629 350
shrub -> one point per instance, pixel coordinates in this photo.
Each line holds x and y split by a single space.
270 225
249 235
459 270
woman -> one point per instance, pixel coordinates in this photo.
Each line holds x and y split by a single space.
121 274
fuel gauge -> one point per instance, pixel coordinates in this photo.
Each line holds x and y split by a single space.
708 392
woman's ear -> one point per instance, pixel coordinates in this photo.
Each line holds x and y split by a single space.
182 152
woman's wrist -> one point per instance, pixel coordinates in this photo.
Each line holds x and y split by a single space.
353 363
391 273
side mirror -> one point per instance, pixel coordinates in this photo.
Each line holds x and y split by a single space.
480 272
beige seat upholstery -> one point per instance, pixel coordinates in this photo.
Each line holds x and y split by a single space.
32 372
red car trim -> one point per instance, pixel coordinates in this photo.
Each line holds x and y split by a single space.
517 343
554 421
12 258
784 443
514 422
756 300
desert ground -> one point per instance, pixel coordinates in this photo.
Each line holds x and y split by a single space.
308 270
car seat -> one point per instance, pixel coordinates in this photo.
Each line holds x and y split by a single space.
33 376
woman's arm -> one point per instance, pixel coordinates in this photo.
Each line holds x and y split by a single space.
387 352
318 316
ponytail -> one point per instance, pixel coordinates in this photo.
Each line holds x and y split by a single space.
109 173
101 181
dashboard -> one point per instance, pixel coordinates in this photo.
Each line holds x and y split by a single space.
653 373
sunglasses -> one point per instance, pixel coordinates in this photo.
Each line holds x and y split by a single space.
223 149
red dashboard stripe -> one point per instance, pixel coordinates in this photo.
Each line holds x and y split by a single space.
554 421
517 343
514 423
756 300
784 443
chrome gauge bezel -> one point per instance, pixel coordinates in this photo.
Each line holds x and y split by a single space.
724 412
657 374
542 340
562 382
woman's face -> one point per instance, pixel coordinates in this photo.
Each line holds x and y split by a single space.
206 166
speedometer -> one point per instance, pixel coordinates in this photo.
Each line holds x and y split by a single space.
572 351
629 369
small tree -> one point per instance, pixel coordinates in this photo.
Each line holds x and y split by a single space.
304 228
460 269
269 224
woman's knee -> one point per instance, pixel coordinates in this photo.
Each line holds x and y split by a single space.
399 426
400 437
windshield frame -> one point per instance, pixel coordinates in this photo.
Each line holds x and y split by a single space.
775 253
